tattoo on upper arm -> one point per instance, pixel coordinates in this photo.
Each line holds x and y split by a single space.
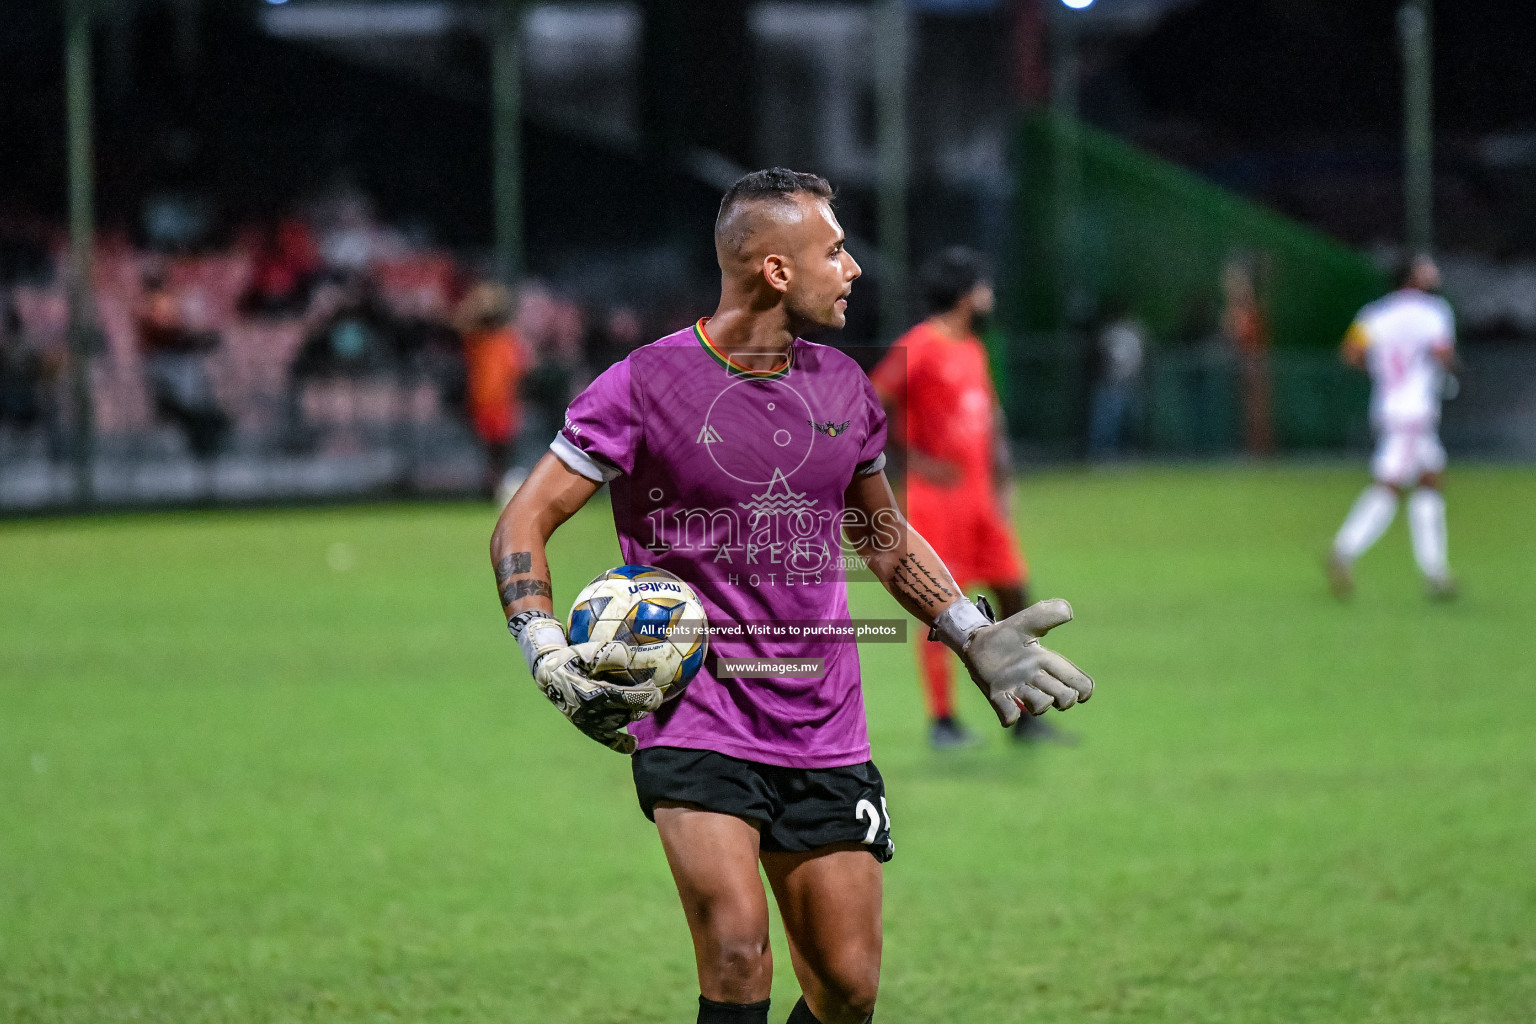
515 564
920 583
518 589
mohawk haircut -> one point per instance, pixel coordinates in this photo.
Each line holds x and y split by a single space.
775 185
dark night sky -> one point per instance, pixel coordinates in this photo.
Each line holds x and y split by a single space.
1251 75
1267 69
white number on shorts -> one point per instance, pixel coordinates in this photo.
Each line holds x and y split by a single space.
866 808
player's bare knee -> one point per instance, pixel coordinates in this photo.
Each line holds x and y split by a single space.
851 991
739 961
742 955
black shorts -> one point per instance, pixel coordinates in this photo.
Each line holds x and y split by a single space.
796 809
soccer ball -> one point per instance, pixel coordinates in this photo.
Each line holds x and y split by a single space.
652 612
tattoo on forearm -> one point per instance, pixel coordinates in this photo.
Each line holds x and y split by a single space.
919 583
515 564
519 589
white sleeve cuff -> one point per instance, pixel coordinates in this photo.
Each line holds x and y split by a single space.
871 467
580 462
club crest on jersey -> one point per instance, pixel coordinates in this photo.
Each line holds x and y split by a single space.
829 428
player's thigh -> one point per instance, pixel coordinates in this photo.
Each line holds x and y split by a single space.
995 550
714 860
830 902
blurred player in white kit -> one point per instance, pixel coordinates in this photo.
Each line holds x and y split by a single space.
1406 341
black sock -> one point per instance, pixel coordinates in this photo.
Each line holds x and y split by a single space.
711 1012
802 1014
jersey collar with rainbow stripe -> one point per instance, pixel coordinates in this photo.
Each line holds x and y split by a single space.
732 366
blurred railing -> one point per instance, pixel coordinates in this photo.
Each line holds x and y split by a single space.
391 433
1188 402
378 435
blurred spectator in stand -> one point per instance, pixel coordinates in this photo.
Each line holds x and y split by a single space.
552 330
612 336
29 375
175 367
351 239
568 348
283 271
353 340
428 349
175 221
418 292
496 362
1199 360
1248 332
1117 389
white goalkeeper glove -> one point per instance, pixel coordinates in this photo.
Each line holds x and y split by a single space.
1006 660
563 671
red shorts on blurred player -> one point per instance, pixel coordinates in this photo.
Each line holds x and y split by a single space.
965 527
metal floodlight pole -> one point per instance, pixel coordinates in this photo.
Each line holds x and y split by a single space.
1065 87
82 221
506 138
893 162
1416 37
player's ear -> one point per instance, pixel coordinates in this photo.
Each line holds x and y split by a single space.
777 272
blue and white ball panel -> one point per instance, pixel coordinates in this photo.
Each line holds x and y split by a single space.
636 572
580 627
690 666
585 614
652 619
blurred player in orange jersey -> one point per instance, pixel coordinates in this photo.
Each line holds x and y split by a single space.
945 419
495 362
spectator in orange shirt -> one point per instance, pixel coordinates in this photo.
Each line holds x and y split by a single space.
495 361
1245 325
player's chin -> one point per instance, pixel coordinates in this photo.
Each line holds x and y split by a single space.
822 318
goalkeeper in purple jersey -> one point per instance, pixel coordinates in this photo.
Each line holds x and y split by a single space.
738 457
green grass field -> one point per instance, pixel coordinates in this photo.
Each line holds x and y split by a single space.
287 766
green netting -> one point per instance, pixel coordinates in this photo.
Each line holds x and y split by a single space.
1154 239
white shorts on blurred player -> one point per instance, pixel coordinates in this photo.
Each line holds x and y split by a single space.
1407 454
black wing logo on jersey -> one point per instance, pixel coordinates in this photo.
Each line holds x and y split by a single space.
829 428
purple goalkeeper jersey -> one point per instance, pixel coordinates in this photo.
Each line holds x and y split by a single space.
733 479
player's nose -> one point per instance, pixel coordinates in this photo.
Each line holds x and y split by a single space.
853 271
